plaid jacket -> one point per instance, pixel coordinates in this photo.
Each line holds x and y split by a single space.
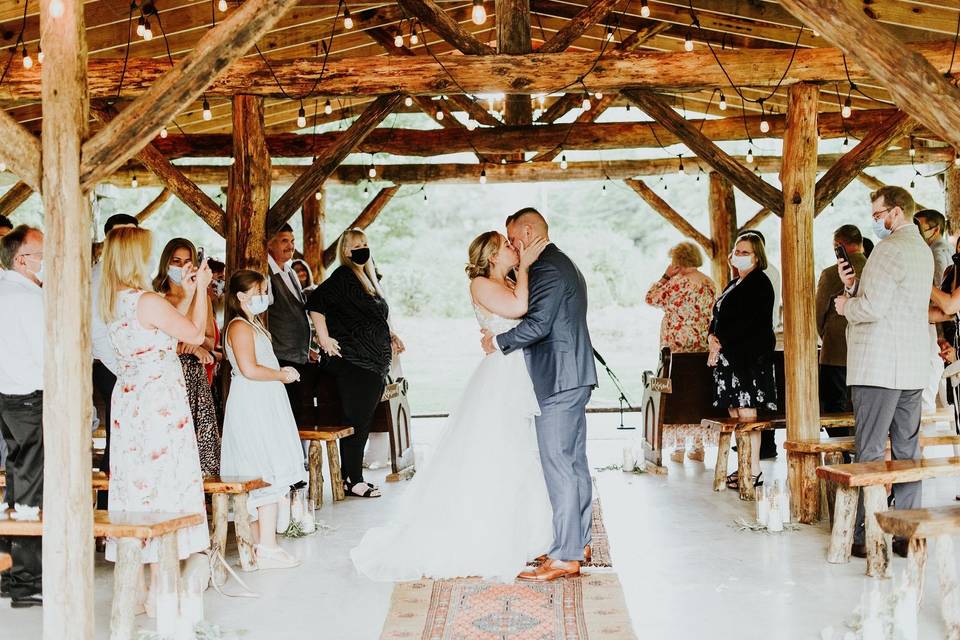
888 335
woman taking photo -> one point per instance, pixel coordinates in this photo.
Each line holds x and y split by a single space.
350 315
177 257
741 345
155 467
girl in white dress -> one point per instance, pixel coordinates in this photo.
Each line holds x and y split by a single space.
260 435
480 505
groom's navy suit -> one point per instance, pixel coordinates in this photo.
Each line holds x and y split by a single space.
559 355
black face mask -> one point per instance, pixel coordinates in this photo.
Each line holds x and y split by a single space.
360 255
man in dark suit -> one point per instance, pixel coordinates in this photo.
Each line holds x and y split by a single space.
559 356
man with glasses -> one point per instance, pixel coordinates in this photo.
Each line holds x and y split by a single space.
933 228
888 346
21 401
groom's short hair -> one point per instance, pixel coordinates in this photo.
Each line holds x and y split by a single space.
532 214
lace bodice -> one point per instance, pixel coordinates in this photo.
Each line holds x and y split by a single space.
493 323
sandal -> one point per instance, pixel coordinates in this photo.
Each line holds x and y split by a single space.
733 480
369 491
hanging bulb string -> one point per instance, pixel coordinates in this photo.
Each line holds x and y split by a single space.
854 87
126 53
953 53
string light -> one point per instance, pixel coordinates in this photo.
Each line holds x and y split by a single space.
372 172
207 114
723 102
585 105
912 151
764 125
563 162
846 142
644 9
603 190
366 190
439 114
680 165
163 133
408 101
347 19
414 38
133 182
147 33
483 176
398 40
688 42
503 161
956 159
27 60
847 111
327 107
479 14
39 54
318 195
424 195
750 155
222 5
141 26
302 117
598 95
56 8
609 34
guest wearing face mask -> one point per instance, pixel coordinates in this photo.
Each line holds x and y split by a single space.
304 275
933 228
178 257
741 345
350 315
215 292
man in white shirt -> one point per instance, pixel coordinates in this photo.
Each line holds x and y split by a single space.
21 400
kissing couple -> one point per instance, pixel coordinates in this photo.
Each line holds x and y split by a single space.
508 481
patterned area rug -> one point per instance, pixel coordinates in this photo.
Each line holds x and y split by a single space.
590 607
600 547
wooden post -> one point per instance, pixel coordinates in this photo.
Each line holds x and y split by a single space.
313 215
878 542
723 226
248 195
949 587
798 176
67 407
513 37
951 184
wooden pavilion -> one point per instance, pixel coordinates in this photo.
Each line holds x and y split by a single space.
106 91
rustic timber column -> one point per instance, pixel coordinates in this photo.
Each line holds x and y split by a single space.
951 184
798 176
313 215
513 37
67 410
723 226
248 194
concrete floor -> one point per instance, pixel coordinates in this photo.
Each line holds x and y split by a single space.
686 571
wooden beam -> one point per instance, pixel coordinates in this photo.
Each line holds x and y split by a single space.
362 221
173 179
313 216
918 87
755 220
432 16
723 226
951 185
513 38
311 179
14 197
590 15
67 389
20 151
143 119
154 205
248 195
531 73
798 176
873 184
860 157
668 213
747 181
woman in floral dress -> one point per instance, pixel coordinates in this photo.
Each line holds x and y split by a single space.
154 466
686 296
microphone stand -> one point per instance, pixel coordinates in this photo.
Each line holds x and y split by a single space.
616 383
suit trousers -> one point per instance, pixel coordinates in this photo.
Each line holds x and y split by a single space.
21 423
834 395
879 414
562 437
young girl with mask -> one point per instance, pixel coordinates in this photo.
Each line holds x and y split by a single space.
260 435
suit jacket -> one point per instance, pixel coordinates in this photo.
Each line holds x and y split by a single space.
888 333
554 333
831 326
743 319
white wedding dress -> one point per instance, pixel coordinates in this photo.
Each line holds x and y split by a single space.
480 506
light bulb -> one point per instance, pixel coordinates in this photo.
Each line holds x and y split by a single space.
318 195
372 172
846 111
816 34
56 8
408 101
327 107
598 95
956 160
912 152
585 105
141 27
163 132
39 55
609 34
764 126
207 114
222 5
133 182
147 33
347 19
301 118
414 38
688 43
398 40
750 155
439 114
723 102
483 176
680 167
27 60
479 14
563 162
644 9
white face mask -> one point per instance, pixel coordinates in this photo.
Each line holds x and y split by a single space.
218 286
258 304
741 263
175 274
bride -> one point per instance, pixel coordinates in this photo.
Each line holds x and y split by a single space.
480 507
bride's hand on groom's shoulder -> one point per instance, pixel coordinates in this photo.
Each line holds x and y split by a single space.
529 254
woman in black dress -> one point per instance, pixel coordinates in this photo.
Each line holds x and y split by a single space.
742 342
350 315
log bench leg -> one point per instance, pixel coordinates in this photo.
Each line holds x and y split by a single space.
336 476
315 467
844 519
241 523
878 542
168 579
917 565
832 458
744 470
949 589
723 457
126 583
221 508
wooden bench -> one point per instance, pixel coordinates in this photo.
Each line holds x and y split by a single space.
130 530
5 562
329 435
871 477
917 525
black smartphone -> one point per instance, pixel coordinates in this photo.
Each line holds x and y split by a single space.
839 250
200 256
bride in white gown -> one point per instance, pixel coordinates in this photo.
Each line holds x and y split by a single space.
479 507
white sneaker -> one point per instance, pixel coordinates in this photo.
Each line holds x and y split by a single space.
274 558
283 513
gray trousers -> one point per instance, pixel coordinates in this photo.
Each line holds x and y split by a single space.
562 436
880 413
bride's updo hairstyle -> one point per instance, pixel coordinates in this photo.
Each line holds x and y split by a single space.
484 246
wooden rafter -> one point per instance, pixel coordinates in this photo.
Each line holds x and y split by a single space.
754 221
668 213
14 197
143 119
154 205
20 151
744 179
586 18
314 176
362 221
431 15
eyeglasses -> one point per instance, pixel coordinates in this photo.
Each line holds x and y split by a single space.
877 214
32 253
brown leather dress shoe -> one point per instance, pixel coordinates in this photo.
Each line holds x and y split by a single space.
858 550
587 556
551 570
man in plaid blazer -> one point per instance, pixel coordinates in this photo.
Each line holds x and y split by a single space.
888 361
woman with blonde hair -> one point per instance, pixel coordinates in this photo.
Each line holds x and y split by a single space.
350 315
155 466
686 297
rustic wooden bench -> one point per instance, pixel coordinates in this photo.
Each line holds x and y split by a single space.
917 525
5 562
871 477
130 530
329 435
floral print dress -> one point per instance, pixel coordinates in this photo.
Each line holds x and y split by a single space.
687 305
154 463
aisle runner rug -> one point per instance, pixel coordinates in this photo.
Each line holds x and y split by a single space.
600 547
587 608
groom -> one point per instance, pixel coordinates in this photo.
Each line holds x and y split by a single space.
559 355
